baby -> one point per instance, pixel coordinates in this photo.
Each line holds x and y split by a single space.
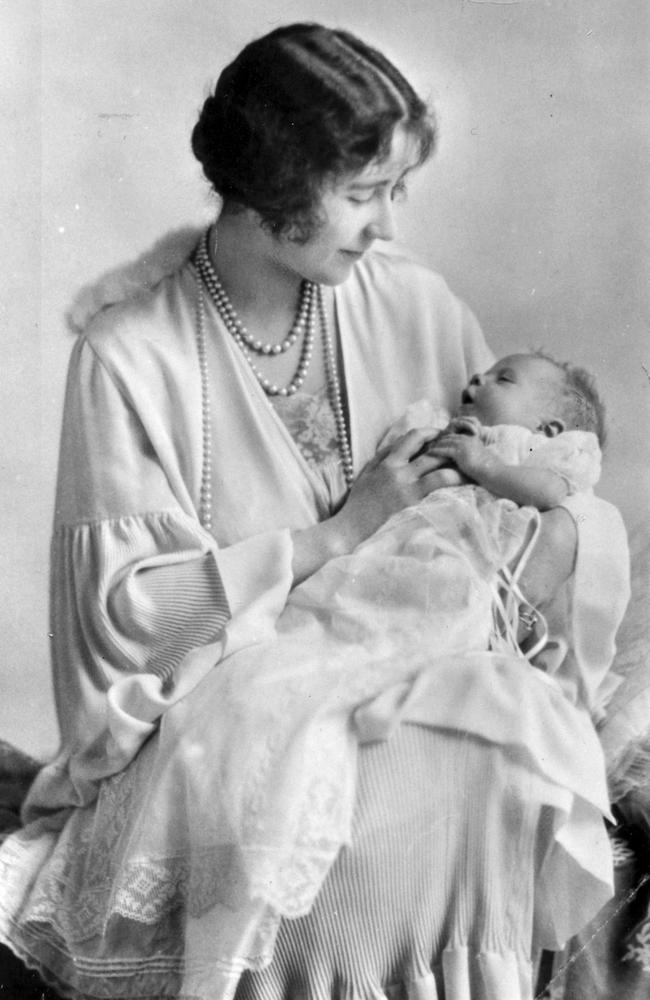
415 616
519 406
529 430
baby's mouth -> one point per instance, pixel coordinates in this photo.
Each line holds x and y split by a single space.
466 397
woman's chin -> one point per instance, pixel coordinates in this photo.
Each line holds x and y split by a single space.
339 269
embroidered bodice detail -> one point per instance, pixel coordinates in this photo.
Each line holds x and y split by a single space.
310 421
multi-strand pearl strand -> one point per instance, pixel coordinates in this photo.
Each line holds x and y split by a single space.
206 274
304 323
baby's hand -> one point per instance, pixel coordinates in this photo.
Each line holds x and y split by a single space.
463 425
463 446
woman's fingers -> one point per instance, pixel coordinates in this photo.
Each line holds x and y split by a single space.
406 447
446 476
447 445
426 463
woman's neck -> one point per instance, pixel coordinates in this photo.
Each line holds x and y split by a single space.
263 293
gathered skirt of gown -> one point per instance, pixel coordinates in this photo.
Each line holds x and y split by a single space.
438 895
290 861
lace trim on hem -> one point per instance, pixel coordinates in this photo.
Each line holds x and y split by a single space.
162 979
99 985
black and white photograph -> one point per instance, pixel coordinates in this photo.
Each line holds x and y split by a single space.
325 522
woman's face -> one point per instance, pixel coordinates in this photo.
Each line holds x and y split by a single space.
356 211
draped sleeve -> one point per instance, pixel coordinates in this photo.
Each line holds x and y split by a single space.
144 601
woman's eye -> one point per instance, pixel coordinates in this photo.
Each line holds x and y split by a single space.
397 193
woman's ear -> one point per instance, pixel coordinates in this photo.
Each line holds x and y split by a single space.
552 427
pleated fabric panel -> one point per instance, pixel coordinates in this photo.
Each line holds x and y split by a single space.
433 900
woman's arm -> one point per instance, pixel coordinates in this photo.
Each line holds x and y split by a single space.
526 485
553 557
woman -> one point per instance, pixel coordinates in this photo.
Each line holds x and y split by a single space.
218 447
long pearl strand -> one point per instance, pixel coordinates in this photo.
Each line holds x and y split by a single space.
205 492
334 393
333 390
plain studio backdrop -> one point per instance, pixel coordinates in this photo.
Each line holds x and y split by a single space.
535 209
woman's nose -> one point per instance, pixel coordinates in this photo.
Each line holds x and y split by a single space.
382 226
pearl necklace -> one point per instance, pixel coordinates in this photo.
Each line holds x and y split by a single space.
304 323
333 390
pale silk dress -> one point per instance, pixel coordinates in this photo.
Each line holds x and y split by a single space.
460 858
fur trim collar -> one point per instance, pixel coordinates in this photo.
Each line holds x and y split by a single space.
167 255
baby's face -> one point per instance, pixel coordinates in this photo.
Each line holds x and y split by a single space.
517 389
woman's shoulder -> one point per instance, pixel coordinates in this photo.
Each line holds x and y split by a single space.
148 300
128 283
146 310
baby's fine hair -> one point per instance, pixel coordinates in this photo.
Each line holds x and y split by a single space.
581 405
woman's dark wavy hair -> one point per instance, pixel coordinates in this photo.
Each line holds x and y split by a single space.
300 106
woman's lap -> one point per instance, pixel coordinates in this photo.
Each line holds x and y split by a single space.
443 859
438 886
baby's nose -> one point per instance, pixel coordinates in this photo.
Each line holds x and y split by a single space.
470 390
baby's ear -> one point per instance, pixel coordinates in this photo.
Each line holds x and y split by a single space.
553 427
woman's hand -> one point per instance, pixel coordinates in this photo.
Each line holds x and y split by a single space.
397 477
